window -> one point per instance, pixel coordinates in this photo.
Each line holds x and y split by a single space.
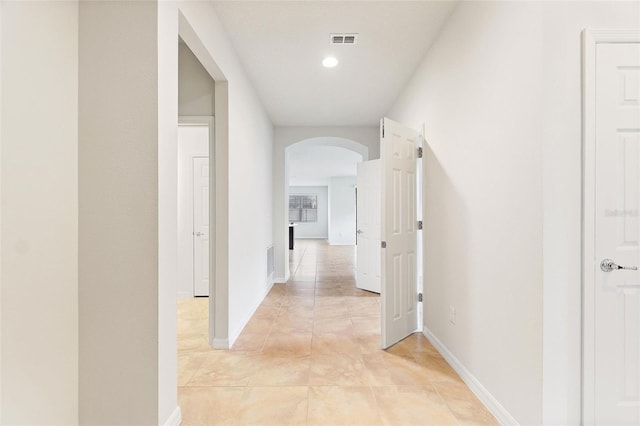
303 208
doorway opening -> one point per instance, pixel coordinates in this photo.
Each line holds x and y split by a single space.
324 167
195 135
202 114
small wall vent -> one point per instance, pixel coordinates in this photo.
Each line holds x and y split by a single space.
270 264
344 39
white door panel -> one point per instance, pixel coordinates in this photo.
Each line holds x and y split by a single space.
613 322
201 226
398 154
368 233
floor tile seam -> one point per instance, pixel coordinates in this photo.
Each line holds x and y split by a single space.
377 404
211 386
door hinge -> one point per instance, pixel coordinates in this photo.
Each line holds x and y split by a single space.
383 128
419 224
383 244
419 297
419 152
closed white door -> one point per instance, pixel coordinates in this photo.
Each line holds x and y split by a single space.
368 232
399 295
201 226
612 297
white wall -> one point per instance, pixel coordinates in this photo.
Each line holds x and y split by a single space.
115 155
477 91
39 294
364 140
196 88
319 229
1 350
499 93
119 289
249 161
342 210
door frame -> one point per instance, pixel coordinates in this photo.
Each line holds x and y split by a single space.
590 40
218 304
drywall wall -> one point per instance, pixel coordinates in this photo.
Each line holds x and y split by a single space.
342 210
319 229
477 93
363 140
39 109
1 214
507 185
249 162
118 213
195 86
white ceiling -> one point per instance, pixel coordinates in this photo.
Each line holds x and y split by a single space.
315 165
282 44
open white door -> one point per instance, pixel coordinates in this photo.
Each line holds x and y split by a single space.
398 155
612 237
368 233
201 226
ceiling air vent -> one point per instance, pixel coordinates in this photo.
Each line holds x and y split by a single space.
344 39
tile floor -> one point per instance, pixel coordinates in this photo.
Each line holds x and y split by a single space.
310 356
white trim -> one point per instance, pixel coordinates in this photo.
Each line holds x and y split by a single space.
590 39
279 280
184 295
175 418
492 404
220 343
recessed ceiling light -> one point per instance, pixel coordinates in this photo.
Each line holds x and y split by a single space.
329 62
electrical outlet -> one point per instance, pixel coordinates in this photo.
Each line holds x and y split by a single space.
452 315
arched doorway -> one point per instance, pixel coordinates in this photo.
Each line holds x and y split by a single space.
281 192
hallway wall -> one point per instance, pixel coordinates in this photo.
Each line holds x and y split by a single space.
39 210
119 241
499 95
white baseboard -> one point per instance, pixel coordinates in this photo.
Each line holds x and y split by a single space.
492 404
220 344
279 280
175 418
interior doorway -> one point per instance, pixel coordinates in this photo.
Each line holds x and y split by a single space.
195 135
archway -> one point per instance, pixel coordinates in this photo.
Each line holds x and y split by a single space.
281 192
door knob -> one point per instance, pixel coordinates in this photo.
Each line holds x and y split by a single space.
199 234
359 231
608 265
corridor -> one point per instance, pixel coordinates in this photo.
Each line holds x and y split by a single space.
311 355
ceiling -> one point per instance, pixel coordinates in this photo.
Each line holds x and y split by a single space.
282 44
315 165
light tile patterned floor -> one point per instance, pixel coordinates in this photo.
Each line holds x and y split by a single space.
311 356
